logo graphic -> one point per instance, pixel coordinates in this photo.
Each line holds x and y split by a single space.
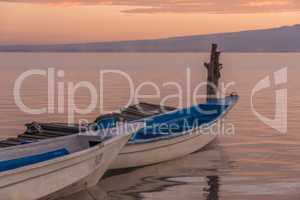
279 123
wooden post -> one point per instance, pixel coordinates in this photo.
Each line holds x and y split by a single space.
213 72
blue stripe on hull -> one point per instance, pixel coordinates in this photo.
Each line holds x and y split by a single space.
30 160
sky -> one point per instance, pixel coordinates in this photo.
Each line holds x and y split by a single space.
77 21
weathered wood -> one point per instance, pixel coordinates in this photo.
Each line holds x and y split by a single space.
213 72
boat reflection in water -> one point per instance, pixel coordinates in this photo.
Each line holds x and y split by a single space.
193 177
213 189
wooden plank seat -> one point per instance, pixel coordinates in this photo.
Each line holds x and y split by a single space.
40 131
32 136
2 145
60 127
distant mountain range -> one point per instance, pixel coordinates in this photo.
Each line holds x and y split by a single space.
283 39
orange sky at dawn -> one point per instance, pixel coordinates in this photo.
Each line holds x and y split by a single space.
76 21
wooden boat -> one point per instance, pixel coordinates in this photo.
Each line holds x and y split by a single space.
174 134
169 133
62 165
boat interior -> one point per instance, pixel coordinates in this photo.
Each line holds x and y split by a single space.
160 121
179 121
41 131
24 155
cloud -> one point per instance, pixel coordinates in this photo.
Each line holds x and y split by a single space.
185 6
60 2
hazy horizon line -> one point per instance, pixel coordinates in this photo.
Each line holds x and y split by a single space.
146 39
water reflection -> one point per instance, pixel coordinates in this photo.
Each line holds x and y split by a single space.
153 187
193 177
213 187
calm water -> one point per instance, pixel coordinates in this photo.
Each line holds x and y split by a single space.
257 162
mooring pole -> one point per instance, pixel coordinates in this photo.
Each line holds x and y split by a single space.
213 73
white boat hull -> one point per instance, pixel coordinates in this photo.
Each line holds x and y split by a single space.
64 175
160 150
136 155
